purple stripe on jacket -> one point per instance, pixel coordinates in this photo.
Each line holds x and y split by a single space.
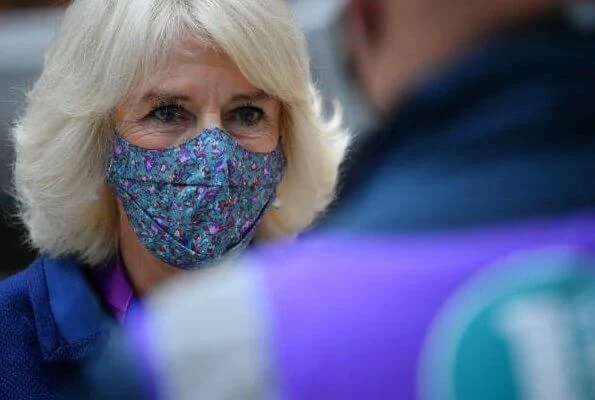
330 318
350 315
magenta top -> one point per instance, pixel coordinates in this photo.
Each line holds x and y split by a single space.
116 290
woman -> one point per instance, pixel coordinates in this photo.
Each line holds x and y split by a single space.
162 136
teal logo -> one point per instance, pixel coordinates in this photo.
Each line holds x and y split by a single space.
522 330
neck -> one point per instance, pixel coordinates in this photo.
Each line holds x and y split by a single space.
145 271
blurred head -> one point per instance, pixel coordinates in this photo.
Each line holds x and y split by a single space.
396 43
157 73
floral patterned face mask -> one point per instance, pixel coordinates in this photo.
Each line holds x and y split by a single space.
192 204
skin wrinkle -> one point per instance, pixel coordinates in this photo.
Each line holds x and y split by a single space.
191 78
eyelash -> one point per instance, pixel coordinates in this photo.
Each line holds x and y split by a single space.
164 106
248 106
179 109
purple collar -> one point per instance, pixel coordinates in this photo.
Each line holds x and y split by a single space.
116 290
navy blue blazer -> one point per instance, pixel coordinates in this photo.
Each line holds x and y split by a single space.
51 319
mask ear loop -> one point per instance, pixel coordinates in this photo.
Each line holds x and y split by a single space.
277 202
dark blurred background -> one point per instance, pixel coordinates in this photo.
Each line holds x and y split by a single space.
26 27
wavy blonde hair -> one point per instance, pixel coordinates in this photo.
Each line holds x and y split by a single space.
101 50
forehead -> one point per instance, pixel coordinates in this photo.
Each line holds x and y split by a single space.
195 51
194 66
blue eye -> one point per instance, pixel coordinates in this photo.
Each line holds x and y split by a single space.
249 116
167 114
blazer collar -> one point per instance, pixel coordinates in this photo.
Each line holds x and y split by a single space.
69 317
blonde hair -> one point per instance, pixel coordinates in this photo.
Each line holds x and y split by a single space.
102 48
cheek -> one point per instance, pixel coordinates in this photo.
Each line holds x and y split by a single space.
129 125
267 137
273 131
271 141
264 142
142 134
146 138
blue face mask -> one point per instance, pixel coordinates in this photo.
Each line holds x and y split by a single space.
195 203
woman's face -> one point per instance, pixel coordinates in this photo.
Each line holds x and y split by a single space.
199 88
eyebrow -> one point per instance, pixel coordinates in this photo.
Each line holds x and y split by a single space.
165 97
258 95
174 97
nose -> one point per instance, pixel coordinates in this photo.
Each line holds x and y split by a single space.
204 121
209 119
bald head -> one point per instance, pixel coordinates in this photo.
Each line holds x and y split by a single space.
396 42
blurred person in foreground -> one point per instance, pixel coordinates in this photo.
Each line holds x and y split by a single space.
161 138
461 262
325 25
